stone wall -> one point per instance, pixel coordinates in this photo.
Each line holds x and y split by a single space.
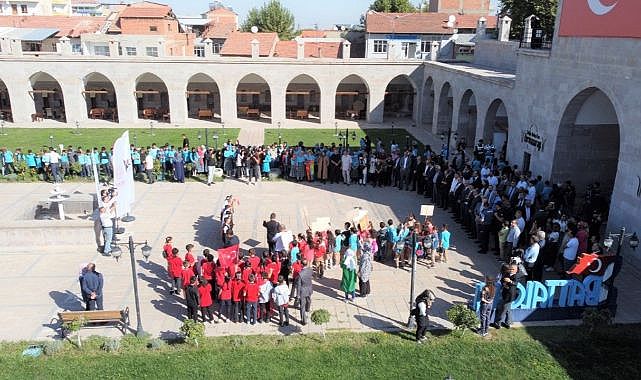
496 54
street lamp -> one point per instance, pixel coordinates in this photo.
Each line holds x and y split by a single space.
216 141
199 137
116 252
77 130
2 125
224 134
151 128
135 139
51 140
411 322
336 129
280 136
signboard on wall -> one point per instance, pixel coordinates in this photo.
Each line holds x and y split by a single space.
600 18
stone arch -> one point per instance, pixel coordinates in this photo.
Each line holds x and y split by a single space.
428 102
400 97
303 98
445 108
467 117
588 135
100 97
152 98
203 98
47 97
352 98
6 113
496 127
253 98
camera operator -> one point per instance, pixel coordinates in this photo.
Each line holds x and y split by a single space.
108 201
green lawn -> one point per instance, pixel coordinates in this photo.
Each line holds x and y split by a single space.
35 139
311 137
533 353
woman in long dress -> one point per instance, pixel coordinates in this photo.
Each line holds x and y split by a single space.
348 283
365 270
179 168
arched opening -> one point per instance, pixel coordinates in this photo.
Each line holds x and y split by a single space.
203 98
152 98
352 97
253 99
496 128
5 103
588 137
445 109
428 102
302 99
399 99
47 98
467 119
100 98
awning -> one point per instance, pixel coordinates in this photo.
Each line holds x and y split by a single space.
29 34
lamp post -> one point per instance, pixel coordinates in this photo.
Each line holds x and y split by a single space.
280 136
2 125
151 128
51 140
411 322
224 133
199 138
622 235
336 129
207 138
135 139
116 252
449 141
77 130
216 141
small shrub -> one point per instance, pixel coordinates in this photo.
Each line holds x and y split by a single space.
156 344
192 331
74 327
238 341
111 345
134 342
52 347
321 318
594 318
462 318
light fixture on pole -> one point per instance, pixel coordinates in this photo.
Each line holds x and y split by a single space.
633 240
411 322
50 140
216 141
151 128
135 139
199 138
2 125
207 138
224 133
116 252
336 129
77 130
280 136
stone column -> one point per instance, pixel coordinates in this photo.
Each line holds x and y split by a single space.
527 31
347 49
126 101
255 48
75 105
436 46
64 46
481 27
5 45
278 92
376 103
209 48
505 24
300 49
228 98
328 105
177 102
16 47
22 104
113 48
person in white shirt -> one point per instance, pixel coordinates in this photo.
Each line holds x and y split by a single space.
107 230
280 295
149 168
346 166
282 239
570 251
530 256
512 239
54 163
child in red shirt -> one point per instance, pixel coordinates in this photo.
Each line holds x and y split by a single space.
204 290
185 276
168 247
251 299
189 256
254 261
297 267
237 289
224 296
174 268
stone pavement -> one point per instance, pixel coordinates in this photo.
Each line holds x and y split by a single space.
41 280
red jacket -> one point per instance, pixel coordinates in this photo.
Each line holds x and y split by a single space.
274 267
251 292
186 277
205 295
189 257
167 248
175 266
225 291
246 272
220 275
208 270
296 268
237 287
254 261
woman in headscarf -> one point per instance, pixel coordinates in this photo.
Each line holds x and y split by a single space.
348 283
365 270
179 168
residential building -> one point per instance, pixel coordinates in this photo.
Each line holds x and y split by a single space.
413 35
35 7
239 44
462 7
87 8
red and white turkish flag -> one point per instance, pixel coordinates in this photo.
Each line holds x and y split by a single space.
601 18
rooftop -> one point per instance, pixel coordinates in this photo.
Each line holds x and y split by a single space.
422 23
68 26
289 49
238 44
219 30
146 9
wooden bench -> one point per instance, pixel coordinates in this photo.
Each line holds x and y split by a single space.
149 113
205 114
254 113
97 113
119 318
302 114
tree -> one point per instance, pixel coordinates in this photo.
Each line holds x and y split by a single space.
393 6
519 10
271 17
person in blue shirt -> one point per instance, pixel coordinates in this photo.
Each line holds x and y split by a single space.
170 153
64 164
444 238
30 159
353 239
103 160
153 151
135 159
266 164
82 161
8 161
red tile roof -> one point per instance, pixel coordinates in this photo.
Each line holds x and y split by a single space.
239 44
424 23
313 33
219 30
289 49
67 26
146 9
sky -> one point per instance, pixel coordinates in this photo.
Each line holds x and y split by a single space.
324 13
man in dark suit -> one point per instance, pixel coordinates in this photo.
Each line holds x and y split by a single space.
272 229
405 167
304 285
419 175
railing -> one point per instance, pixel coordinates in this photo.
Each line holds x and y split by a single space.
536 44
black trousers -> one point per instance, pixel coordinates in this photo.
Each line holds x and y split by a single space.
206 312
363 287
283 311
421 326
192 312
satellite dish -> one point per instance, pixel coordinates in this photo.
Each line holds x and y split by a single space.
254 29
451 21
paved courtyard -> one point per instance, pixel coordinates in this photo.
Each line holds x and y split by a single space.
41 278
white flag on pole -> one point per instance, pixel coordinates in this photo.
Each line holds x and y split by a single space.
123 175
94 168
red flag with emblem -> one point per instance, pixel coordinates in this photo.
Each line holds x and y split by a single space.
600 18
228 256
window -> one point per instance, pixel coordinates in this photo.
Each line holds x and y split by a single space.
153 28
14 9
426 46
101 50
24 9
152 51
131 51
380 46
217 46
169 27
199 51
76 48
